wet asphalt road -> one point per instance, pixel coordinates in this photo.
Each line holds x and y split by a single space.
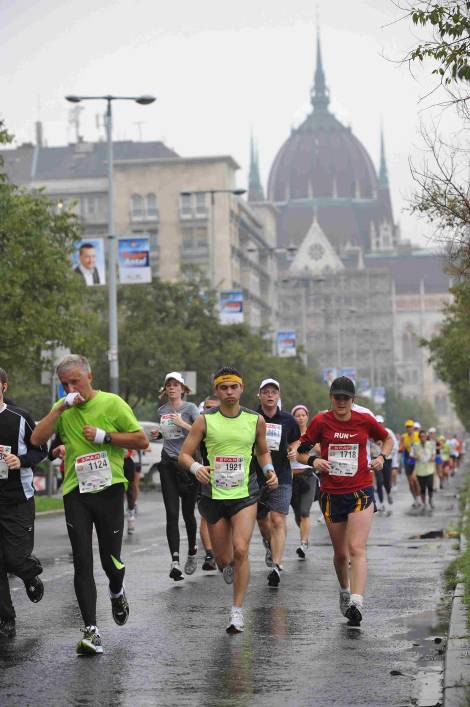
296 649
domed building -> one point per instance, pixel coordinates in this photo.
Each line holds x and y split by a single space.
323 167
359 299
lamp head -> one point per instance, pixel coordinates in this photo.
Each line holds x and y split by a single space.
73 99
145 100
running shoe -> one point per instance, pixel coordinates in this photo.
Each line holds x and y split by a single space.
90 644
209 563
131 521
190 565
7 628
120 609
274 577
236 623
34 589
268 557
175 571
302 551
390 499
431 503
227 574
380 507
354 614
344 601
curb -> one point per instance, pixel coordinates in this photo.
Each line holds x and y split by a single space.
457 659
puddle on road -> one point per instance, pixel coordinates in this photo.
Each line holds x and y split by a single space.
427 634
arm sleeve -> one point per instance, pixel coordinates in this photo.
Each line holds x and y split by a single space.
376 430
312 435
125 419
34 455
194 414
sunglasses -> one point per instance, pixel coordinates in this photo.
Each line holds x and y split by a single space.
343 398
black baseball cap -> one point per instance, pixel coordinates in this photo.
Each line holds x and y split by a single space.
343 386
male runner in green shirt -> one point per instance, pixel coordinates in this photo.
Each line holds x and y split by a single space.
94 427
229 489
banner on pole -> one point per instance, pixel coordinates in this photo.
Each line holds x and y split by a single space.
286 344
231 307
134 260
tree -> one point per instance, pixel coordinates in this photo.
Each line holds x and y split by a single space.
450 352
40 303
398 409
449 47
442 196
167 326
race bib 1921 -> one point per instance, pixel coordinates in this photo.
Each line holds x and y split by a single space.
229 472
93 472
343 459
4 450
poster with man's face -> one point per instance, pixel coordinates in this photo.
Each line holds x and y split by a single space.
88 261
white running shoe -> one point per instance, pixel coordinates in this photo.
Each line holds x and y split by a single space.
302 551
344 601
190 564
236 623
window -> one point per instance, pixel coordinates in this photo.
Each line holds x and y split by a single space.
185 206
137 207
201 208
151 206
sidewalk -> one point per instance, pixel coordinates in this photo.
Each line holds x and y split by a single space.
457 662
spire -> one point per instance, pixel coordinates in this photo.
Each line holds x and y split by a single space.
255 189
383 174
319 95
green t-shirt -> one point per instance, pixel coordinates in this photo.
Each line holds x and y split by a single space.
107 411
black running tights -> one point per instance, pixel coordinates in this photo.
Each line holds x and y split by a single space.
175 487
383 478
104 510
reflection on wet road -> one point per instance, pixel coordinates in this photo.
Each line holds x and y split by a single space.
296 649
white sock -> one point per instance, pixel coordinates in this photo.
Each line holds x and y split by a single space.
357 599
116 596
343 590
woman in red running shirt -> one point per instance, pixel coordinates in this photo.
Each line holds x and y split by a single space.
347 491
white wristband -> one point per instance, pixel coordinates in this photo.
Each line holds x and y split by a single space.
99 436
194 467
70 399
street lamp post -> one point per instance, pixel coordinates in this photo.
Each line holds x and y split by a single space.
112 282
213 192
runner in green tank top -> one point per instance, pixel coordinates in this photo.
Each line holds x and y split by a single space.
229 492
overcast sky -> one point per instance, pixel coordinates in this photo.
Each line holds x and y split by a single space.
219 70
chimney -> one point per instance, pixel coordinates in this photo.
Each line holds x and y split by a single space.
39 136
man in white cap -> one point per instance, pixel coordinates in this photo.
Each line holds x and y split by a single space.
282 431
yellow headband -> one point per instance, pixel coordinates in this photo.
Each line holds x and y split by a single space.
229 378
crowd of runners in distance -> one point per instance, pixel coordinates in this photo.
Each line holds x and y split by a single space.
241 468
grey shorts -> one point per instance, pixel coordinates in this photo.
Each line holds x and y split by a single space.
277 500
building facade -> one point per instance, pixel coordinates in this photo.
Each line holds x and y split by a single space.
168 197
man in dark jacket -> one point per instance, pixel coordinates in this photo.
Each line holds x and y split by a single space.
17 457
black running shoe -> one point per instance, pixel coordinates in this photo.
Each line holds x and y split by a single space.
274 577
354 615
120 609
34 589
7 628
175 571
209 563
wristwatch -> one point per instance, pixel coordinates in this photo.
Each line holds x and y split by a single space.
107 438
